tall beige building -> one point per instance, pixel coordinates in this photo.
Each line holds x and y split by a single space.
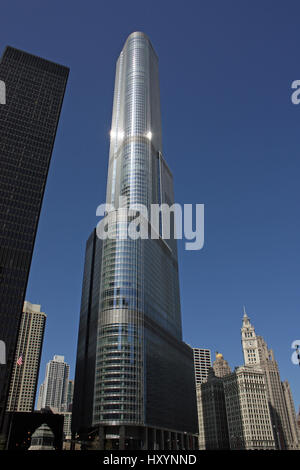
27 359
202 365
282 410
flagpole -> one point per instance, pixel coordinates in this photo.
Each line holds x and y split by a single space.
19 363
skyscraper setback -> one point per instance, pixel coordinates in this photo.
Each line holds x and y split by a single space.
28 121
141 391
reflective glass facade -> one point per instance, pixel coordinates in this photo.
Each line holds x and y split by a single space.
144 372
28 121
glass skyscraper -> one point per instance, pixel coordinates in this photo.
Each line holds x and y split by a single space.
141 393
35 90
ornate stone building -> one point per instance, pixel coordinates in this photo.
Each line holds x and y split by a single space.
282 410
220 366
248 415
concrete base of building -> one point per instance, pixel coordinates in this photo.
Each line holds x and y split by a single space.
128 437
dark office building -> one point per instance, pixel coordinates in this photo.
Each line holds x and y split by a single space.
28 121
143 394
212 414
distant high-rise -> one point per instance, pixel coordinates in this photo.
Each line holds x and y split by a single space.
140 392
69 397
67 424
35 90
220 366
40 397
257 354
26 370
202 364
55 387
70 394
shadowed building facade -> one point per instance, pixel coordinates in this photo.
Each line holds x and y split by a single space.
28 121
212 417
82 409
142 385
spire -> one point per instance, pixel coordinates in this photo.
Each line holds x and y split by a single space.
246 319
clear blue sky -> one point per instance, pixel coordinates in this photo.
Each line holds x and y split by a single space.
231 137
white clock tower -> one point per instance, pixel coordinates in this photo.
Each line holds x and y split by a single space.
249 342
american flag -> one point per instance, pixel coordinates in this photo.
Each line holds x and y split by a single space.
20 360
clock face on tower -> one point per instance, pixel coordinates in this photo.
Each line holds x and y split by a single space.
250 343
